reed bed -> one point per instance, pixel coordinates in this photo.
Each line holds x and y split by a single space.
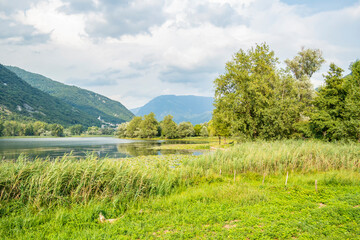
281 157
67 180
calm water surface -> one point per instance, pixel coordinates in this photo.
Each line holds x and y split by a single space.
11 148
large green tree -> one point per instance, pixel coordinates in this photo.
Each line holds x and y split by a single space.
306 63
28 129
220 124
57 130
254 98
303 66
121 130
204 131
76 129
352 103
149 126
327 118
94 130
197 129
283 111
133 127
185 129
169 127
12 128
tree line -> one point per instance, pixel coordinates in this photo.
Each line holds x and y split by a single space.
138 127
149 127
256 99
39 128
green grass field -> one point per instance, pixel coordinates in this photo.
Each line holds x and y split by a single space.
239 193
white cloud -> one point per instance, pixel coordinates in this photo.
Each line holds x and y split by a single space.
67 30
181 52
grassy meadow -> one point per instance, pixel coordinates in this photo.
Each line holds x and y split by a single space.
253 190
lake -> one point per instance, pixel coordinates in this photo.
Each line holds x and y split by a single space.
11 148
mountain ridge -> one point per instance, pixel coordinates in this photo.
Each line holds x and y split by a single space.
87 101
184 108
18 99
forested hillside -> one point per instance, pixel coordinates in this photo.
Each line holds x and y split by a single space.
194 109
19 100
92 103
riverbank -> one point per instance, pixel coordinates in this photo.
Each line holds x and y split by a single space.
284 190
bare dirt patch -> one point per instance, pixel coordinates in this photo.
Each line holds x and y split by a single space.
321 205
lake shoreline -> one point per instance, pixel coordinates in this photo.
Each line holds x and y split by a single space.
103 146
281 189
11 137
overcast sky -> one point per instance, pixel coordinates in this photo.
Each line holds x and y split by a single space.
132 51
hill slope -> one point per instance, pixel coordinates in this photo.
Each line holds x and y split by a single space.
19 99
92 103
190 108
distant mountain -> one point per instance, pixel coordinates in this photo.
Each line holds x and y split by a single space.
92 103
190 108
19 100
135 110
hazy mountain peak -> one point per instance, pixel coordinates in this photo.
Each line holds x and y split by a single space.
195 109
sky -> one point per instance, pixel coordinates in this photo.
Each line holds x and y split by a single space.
133 51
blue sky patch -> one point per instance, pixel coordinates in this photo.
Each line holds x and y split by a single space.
316 6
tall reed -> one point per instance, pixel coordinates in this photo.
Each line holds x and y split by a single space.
282 156
67 180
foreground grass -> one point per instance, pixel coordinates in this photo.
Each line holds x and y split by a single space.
244 209
188 197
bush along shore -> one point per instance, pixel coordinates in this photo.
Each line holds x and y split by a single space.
254 190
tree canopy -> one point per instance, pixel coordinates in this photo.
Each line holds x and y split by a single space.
306 63
337 105
255 98
133 127
185 129
169 127
149 126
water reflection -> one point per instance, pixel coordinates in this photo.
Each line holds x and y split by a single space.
80 147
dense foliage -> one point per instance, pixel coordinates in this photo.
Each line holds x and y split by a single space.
149 127
255 98
93 104
38 128
336 115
